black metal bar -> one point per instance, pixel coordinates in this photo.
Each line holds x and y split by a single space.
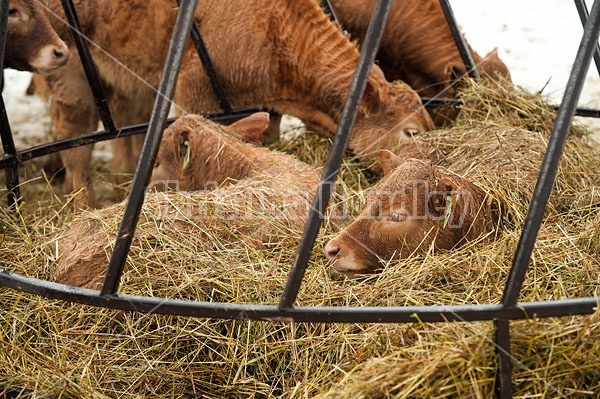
340 142
556 144
8 144
60 145
181 33
441 102
210 70
88 65
332 314
326 4
3 30
91 138
215 82
503 377
457 103
587 112
460 41
584 14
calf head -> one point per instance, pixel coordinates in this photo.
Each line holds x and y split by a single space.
390 114
196 154
32 44
415 207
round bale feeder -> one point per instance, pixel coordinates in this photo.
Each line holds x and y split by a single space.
175 320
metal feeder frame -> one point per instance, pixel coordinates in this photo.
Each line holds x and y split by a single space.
500 313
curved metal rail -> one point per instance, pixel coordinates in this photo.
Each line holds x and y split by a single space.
501 313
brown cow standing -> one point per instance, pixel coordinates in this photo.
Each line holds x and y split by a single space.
249 195
417 45
284 55
31 42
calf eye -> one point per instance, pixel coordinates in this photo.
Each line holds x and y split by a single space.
397 217
410 132
13 12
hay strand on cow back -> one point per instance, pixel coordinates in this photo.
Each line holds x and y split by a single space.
55 348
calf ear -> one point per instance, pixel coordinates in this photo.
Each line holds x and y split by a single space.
493 54
371 100
455 72
182 143
251 127
444 199
389 161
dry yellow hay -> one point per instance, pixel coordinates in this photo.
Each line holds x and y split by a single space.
56 348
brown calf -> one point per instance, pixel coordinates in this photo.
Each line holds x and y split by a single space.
31 42
418 206
253 196
417 45
195 155
414 207
284 55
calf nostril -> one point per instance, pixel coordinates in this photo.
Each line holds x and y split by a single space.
331 250
58 53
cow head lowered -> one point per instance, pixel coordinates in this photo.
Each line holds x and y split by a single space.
414 207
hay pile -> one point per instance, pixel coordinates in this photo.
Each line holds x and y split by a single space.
55 348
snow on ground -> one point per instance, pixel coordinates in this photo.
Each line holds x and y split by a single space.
537 39
28 115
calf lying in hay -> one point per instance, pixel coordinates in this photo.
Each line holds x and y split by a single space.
418 207
414 207
249 194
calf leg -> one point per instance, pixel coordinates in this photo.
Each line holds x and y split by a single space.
127 111
126 152
77 177
73 114
77 161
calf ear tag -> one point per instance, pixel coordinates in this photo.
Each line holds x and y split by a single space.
448 210
188 152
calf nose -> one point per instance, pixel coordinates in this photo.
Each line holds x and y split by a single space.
60 53
331 249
